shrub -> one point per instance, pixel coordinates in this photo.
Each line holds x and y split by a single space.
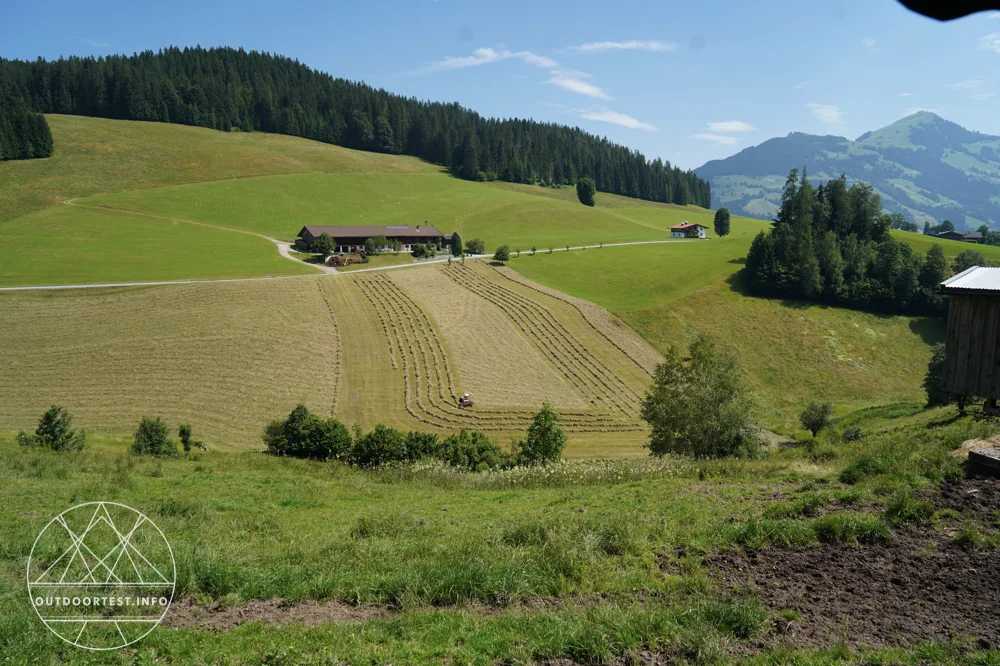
816 416
470 450
545 440
476 246
184 432
533 250
698 405
55 431
585 190
153 438
852 433
305 435
382 445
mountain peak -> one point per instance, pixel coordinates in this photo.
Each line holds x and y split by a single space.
924 166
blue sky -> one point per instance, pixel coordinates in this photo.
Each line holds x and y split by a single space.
686 81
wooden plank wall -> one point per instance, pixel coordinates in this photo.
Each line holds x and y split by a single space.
972 346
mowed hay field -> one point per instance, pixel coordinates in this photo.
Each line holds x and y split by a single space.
416 339
791 352
225 358
396 348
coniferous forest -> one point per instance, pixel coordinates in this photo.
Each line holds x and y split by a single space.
832 244
231 89
23 133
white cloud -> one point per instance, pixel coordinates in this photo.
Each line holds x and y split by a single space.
632 45
869 44
967 85
720 139
800 85
731 126
607 116
905 94
990 42
485 56
981 96
95 43
828 114
575 81
536 60
994 15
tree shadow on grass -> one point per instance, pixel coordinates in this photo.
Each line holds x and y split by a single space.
930 329
944 422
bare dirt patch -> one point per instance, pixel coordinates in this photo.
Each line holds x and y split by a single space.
189 614
922 586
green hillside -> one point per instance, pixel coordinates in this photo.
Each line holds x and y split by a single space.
152 201
924 166
792 352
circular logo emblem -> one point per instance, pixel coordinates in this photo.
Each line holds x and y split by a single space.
101 575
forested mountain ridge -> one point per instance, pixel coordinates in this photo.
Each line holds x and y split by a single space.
923 166
232 89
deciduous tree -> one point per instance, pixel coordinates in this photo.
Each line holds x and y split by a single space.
699 405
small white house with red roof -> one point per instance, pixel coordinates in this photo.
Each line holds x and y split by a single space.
688 230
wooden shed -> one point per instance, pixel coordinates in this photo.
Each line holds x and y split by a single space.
972 345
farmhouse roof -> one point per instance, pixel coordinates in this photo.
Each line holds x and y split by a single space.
420 231
964 235
975 280
687 225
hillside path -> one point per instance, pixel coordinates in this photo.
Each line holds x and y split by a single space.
285 248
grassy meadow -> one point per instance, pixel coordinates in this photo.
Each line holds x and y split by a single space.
792 352
588 561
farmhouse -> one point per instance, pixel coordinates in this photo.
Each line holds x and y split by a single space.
966 236
972 341
352 239
687 230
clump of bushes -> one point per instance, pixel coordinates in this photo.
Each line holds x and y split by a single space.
305 435
153 438
55 431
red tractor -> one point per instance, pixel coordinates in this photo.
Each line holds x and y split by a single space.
465 401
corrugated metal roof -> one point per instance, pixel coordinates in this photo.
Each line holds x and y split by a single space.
975 279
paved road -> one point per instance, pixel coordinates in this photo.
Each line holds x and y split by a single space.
284 249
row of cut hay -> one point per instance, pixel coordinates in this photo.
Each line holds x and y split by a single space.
603 322
429 390
338 362
589 373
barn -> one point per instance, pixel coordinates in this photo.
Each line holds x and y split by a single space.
972 342
688 230
352 238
